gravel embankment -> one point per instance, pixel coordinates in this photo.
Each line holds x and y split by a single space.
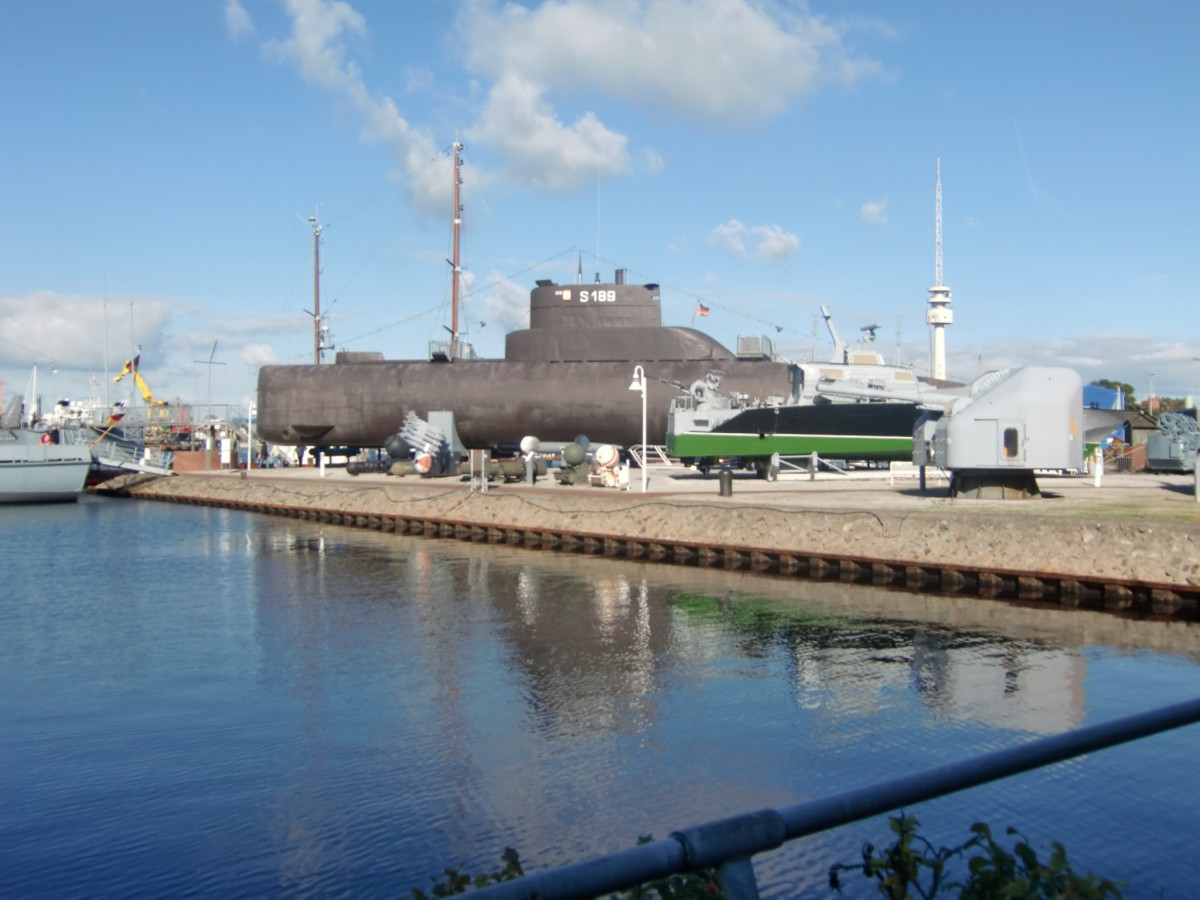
879 524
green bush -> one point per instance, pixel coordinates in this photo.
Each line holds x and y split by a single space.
456 882
912 867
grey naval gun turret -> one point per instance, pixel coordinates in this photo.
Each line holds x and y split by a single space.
567 374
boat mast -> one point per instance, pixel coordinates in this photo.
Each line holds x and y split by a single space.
454 251
316 227
106 399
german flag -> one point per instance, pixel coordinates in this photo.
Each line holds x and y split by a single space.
702 311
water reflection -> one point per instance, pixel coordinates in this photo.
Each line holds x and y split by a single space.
337 711
592 640
567 696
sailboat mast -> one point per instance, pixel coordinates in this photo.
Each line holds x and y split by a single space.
454 252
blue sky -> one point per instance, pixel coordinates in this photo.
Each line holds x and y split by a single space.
160 161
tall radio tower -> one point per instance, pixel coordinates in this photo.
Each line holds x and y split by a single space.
939 314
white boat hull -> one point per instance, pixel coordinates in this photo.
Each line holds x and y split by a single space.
33 472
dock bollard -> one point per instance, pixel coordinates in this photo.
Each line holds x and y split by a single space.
725 478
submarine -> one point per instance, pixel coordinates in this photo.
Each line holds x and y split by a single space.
566 375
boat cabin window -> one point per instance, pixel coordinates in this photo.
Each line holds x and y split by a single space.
1012 443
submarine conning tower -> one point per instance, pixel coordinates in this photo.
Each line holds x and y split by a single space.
595 305
614 322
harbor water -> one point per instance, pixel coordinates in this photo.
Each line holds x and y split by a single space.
200 702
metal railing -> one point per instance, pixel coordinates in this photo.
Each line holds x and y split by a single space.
135 459
646 454
729 844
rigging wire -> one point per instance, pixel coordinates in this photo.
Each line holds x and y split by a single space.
30 350
348 214
711 304
443 306
479 289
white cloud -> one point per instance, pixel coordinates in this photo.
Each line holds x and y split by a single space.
251 324
874 212
718 61
541 151
652 162
237 21
1126 358
774 244
770 242
66 330
505 305
316 47
729 237
65 336
258 354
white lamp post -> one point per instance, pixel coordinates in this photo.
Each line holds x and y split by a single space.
639 384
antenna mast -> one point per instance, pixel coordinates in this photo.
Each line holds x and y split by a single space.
939 314
317 348
937 226
454 251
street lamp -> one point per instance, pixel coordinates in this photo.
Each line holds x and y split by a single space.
639 384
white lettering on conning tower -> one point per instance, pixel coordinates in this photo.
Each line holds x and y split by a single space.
597 296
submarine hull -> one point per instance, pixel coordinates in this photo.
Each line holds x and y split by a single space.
363 404
567 374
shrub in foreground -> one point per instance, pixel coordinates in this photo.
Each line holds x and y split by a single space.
909 868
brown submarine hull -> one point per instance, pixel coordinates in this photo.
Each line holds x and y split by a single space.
493 401
567 374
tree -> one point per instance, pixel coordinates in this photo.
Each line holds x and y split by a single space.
1171 404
